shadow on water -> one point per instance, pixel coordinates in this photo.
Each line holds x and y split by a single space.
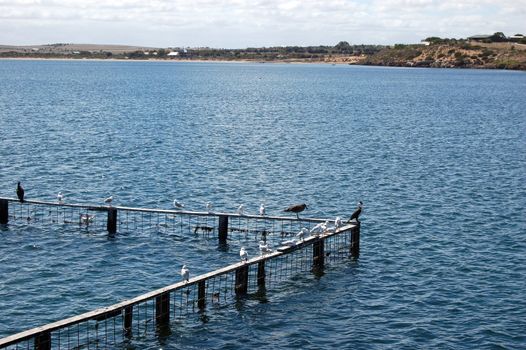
318 272
223 247
163 333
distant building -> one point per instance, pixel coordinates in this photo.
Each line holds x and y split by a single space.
173 54
481 37
517 37
426 43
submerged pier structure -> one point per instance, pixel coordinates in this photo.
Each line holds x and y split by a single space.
156 311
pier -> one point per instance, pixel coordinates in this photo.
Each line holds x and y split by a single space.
111 325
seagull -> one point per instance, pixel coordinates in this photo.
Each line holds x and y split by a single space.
185 273
297 208
357 212
243 254
86 219
60 197
178 204
20 192
108 200
209 207
319 228
264 248
338 222
262 209
328 228
289 243
301 235
241 210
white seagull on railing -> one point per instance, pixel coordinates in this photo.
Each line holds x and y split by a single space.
109 200
262 209
185 273
241 210
301 235
209 207
319 228
264 248
60 198
243 254
178 204
338 222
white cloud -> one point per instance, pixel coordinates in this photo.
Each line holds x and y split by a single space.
238 23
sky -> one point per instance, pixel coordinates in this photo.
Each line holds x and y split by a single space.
255 23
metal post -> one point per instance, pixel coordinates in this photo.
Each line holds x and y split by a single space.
201 294
261 273
112 220
355 241
43 341
128 318
223 227
242 280
162 308
4 211
318 252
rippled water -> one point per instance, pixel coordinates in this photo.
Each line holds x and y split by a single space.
438 157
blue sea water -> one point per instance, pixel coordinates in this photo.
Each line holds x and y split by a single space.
438 157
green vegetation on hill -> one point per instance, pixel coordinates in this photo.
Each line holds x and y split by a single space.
481 51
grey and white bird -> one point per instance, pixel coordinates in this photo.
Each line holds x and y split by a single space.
185 273
301 235
264 248
338 222
243 254
296 208
209 207
262 209
318 229
60 197
289 243
87 219
108 200
357 212
241 210
177 204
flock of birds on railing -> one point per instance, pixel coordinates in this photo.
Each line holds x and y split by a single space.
264 247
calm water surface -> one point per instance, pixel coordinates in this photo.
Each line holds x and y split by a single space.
438 157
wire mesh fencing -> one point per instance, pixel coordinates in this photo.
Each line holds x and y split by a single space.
157 311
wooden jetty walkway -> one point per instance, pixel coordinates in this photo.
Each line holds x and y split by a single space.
112 325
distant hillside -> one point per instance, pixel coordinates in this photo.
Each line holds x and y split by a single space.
466 55
440 53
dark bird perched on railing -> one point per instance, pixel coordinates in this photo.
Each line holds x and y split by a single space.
296 208
20 192
357 212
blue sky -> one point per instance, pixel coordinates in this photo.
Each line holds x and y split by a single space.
243 23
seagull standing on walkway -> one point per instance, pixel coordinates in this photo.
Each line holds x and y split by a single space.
185 273
301 235
338 222
60 198
243 254
296 208
209 207
20 192
241 210
319 228
262 209
264 248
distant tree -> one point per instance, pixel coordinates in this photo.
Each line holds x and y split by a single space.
498 37
343 47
